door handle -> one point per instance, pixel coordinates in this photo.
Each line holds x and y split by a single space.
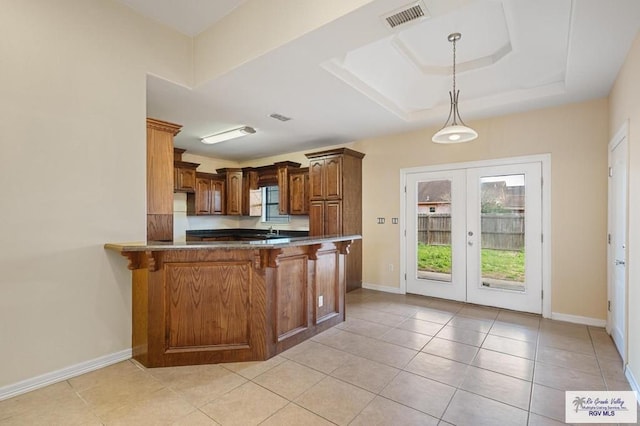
620 262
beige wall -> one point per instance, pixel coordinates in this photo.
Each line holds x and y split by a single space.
73 170
624 104
72 117
574 135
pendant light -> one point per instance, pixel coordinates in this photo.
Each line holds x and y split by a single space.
454 129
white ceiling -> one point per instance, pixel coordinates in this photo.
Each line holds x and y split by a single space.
190 17
356 78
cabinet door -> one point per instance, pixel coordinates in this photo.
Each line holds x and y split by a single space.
217 197
283 190
185 179
249 183
298 193
333 217
316 183
203 196
332 171
316 218
234 193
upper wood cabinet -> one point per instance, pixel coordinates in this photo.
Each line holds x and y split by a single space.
283 169
208 197
299 192
233 190
249 184
325 174
184 173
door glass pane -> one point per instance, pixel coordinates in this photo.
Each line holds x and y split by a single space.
502 218
434 230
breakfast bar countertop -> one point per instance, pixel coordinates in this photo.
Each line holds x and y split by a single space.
272 243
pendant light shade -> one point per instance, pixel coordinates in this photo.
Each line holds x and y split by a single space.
455 134
454 129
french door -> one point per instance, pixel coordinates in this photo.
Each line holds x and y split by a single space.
475 234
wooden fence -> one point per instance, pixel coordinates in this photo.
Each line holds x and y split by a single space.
500 231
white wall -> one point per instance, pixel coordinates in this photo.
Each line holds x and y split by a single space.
72 167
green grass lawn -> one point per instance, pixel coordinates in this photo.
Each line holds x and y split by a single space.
498 264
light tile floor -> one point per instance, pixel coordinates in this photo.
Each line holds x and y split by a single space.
397 360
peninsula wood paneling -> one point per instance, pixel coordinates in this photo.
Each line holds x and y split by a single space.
208 305
203 306
291 296
327 285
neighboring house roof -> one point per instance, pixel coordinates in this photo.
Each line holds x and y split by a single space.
439 192
510 197
435 191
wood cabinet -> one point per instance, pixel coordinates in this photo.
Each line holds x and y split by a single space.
299 192
335 191
184 178
233 190
208 197
184 173
325 174
160 180
283 170
249 184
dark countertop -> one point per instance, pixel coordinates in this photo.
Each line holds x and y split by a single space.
245 233
271 243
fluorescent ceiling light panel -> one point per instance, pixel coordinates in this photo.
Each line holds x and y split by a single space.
229 134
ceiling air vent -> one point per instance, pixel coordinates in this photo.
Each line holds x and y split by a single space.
408 13
279 117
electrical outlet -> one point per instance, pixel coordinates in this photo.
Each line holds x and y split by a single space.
320 301
381 221
394 220
391 267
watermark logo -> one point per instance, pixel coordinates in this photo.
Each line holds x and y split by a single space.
600 407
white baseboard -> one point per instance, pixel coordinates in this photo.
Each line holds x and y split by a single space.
594 322
633 382
384 288
46 379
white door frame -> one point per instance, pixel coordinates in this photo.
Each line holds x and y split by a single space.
544 159
621 137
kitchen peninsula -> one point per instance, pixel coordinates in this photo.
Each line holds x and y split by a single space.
228 295
209 302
